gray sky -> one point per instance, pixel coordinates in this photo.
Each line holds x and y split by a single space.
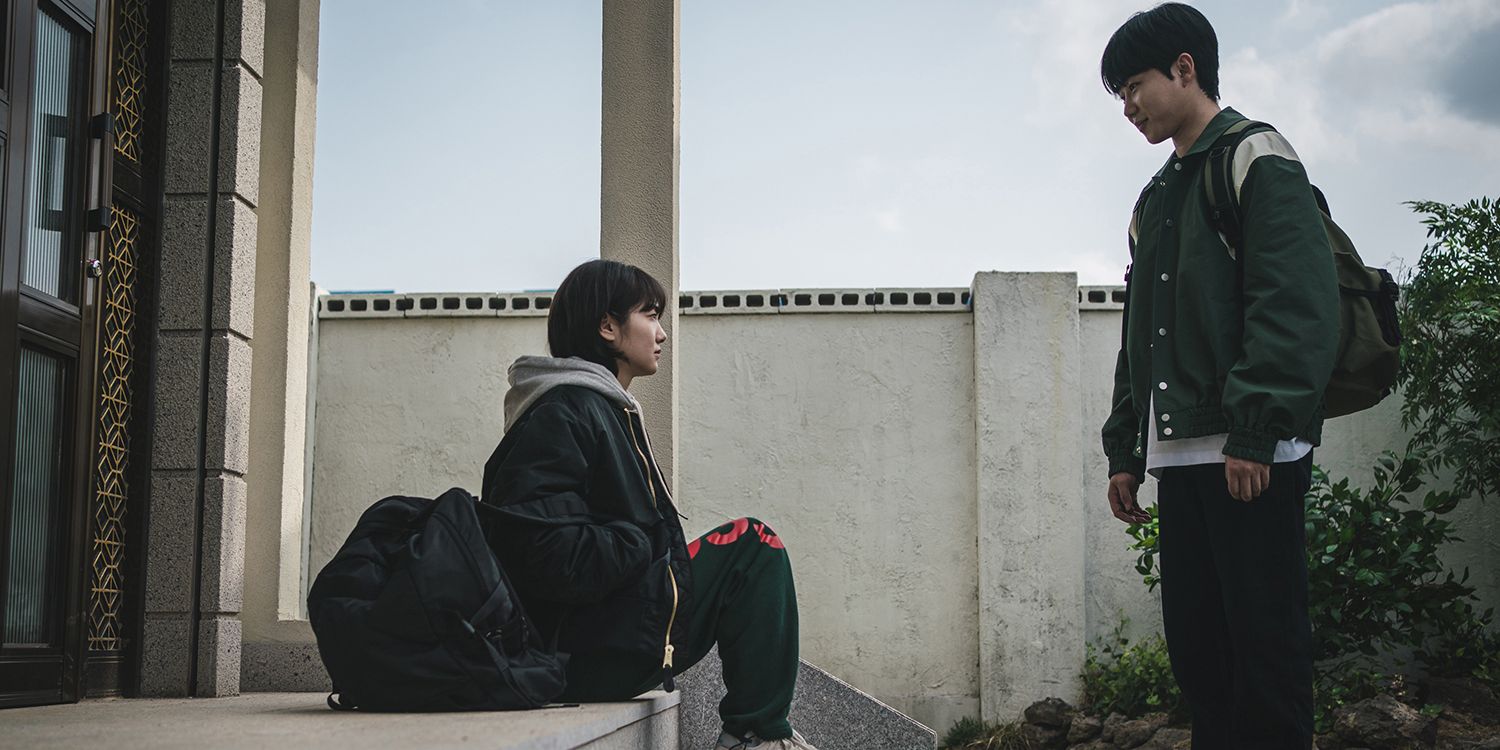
861 143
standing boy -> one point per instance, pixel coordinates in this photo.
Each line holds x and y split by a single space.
1225 352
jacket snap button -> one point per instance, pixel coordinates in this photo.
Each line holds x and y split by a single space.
1162 386
1167 431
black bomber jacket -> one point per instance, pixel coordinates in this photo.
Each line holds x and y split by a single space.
586 528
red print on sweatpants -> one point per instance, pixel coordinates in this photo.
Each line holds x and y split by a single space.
731 532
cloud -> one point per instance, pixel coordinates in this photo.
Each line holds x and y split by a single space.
1302 14
1067 38
890 221
1405 76
1472 81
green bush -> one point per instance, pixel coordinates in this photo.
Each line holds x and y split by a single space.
1377 592
973 734
1450 322
965 731
1133 680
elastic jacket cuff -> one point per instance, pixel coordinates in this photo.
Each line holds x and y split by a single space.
1129 463
1250 445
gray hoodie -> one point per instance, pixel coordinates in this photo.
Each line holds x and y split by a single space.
531 377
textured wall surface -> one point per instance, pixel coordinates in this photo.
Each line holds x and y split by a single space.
853 436
406 407
638 176
1114 588
1028 423
859 438
195 543
274 541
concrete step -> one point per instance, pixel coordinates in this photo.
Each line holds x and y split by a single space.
302 720
830 713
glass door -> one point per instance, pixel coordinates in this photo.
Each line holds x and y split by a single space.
53 151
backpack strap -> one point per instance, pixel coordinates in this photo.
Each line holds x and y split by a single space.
1218 181
501 595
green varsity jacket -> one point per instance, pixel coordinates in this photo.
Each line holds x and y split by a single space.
1224 344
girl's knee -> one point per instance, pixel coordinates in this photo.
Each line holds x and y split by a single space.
746 528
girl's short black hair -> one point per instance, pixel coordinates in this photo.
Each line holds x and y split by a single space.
590 292
1154 39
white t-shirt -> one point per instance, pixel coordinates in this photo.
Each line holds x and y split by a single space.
1208 449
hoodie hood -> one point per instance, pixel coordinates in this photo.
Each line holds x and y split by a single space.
531 377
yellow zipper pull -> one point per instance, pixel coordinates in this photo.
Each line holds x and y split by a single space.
667 682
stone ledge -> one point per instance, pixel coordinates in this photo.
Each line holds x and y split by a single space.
272 667
289 720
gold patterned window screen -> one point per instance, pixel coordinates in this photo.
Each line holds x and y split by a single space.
130 79
112 459
119 296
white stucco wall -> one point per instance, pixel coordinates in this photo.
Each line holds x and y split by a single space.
813 423
1113 588
406 406
853 433
853 436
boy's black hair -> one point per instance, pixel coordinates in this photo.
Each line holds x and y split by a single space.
590 292
1154 39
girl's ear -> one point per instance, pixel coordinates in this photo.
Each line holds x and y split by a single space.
609 330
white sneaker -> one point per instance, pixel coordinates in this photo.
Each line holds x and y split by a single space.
728 741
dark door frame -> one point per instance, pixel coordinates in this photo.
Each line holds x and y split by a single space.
55 673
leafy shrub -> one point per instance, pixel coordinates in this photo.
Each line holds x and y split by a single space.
1377 592
973 734
963 732
1133 680
1450 322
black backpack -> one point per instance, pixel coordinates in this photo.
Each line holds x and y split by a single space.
1369 352
414 614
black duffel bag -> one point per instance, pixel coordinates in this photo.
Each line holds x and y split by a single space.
414 614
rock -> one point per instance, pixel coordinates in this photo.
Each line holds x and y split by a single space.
1052 712
1492 743
1170 738
1383 722
1111 725
1467 695
1095 745
1133 734
1085 728
1459 731
1044 738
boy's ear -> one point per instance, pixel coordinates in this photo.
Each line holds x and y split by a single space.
609 330
1185 69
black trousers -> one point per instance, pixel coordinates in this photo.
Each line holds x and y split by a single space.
1234 606
744 600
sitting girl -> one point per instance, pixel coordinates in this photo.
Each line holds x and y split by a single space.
592 542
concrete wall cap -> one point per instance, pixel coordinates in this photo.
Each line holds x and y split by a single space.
713 302
1101 298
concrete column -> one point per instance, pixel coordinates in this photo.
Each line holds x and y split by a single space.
196 542
638 201
278 652
1029 424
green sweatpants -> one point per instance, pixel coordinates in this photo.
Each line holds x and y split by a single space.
744 601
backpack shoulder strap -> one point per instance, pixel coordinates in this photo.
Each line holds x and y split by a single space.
1218 180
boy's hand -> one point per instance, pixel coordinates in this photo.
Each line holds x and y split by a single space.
1246 479
1122 488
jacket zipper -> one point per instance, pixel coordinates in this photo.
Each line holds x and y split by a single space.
666 665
